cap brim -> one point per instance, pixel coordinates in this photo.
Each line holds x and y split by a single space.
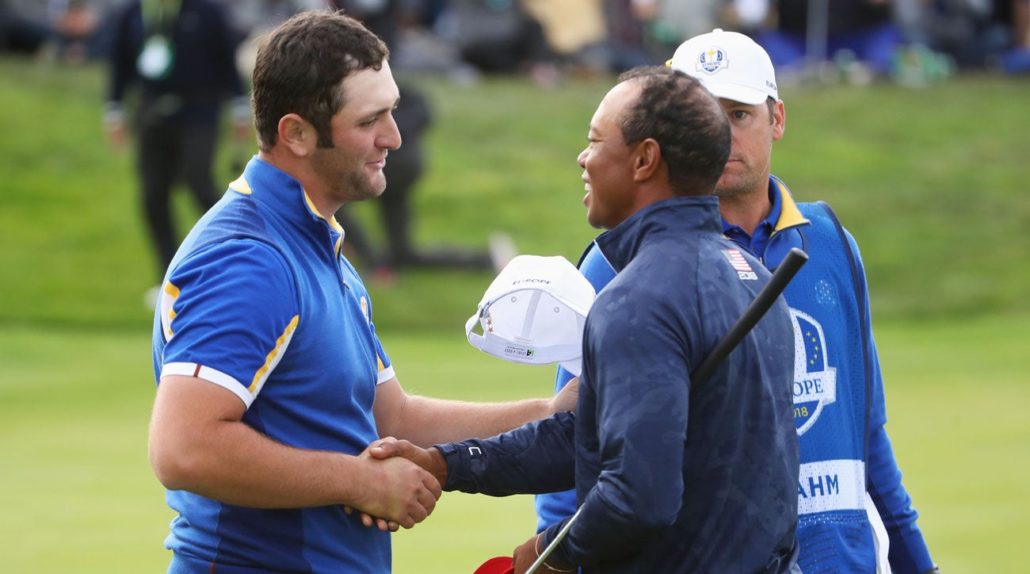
742 94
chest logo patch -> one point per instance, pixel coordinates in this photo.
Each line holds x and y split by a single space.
740 265
815 381
364 308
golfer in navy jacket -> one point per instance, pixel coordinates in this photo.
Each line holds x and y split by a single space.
671 475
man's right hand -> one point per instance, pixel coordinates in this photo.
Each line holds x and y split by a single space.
428 458
398 492
391 448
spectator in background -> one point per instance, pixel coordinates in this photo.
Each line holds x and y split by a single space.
1017 58
499 36
180 54
853 30
18 32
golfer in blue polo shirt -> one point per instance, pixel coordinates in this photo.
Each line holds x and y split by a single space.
271 378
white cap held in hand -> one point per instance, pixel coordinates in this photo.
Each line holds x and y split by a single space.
534 312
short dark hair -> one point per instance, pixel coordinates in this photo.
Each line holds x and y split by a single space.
687 122
300 68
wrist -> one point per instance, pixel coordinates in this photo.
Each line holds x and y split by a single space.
550 563
437 465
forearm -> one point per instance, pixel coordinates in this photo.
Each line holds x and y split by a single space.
231 462
908 551
536 458
425 421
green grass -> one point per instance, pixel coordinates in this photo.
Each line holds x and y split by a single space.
932 183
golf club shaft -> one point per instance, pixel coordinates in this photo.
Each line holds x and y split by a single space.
747 321
752 315
554 543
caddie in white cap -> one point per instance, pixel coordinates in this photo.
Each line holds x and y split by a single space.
854 514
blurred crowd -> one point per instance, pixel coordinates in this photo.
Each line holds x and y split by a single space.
911 41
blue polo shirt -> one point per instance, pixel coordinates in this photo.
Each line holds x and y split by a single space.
260 301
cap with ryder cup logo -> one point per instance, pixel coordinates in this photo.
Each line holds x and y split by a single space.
534 312
731 65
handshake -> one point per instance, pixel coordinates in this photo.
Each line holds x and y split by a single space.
405 483
414 480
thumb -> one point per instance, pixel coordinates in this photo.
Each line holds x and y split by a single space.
385 448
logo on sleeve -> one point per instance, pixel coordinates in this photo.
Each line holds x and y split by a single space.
815 381
740 265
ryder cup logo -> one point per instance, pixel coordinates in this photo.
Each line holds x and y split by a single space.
711 60
815 381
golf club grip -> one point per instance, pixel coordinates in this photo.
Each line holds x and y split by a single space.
554 543
752 315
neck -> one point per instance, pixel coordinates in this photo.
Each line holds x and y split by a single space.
746 211
301 171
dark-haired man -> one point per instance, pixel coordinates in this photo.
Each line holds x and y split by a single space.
855 515
271 378
671 474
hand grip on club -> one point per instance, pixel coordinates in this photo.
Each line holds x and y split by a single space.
788 268
554 544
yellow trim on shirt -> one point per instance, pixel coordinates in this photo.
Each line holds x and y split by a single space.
240 185
790 215
167 308
273 356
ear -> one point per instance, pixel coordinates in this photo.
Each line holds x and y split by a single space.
779 120
297 135
646 159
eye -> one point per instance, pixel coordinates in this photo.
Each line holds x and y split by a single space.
739 114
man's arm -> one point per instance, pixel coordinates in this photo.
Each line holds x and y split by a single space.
199 443
426 421
908 552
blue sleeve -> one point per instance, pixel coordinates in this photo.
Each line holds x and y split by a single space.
637 366
227 314
537 457
552 508
908 552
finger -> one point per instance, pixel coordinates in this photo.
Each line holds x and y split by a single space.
433 485
394 527
427 499
407 522
384 448
419 513
348 510
382 525
366 520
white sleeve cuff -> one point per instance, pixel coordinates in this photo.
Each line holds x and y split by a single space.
210 375
385 375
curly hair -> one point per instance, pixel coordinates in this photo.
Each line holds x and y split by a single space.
690 127
300 69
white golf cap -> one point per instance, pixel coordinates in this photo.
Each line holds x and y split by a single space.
730 65
534 312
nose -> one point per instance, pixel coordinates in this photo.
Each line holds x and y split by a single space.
581 159
391 136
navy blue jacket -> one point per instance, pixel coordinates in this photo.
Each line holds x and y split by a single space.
672 475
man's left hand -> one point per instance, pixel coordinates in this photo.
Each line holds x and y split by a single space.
526 554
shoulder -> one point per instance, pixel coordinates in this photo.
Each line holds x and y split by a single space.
244 266
825 220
